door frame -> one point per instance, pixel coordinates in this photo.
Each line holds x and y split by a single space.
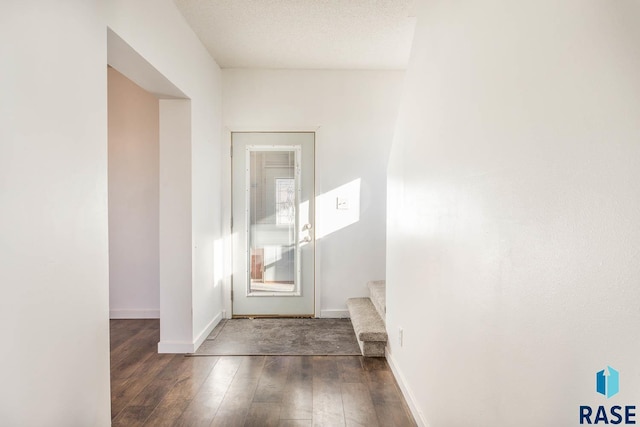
227 285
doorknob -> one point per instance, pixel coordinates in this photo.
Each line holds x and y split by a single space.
306 227
307 239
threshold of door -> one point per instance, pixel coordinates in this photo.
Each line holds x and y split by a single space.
272 316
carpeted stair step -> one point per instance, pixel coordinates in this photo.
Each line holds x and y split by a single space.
368 326
378 292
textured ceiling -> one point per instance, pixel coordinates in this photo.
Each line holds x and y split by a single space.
318 34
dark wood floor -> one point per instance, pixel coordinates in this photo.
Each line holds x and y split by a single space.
153 389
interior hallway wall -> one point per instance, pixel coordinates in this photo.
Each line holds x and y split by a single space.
54 288
133 134
514 202
157 31
355 114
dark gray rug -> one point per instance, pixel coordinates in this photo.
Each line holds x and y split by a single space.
281 337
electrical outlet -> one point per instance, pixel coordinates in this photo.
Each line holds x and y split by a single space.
401 336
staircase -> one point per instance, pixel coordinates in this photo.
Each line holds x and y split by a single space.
367 317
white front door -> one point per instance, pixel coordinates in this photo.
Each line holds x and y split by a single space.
273 223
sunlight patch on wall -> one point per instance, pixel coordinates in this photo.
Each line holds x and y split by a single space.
218 262
338 208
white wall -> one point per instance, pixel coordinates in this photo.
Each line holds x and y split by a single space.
54 300
514 186
133 133
354 112
175 224
157 32
53 215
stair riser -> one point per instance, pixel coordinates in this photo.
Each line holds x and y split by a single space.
377 291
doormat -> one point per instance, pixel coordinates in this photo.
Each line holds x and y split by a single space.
281 337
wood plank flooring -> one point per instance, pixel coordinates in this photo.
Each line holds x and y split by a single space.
150 389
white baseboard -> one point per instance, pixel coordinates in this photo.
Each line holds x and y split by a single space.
175 347
334 314
134 314
207 330
181 347
408 396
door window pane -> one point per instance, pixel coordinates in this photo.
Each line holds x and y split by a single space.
272 215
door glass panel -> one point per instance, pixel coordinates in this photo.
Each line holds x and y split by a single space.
273 194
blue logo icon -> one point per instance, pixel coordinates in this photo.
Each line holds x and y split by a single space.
608 382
